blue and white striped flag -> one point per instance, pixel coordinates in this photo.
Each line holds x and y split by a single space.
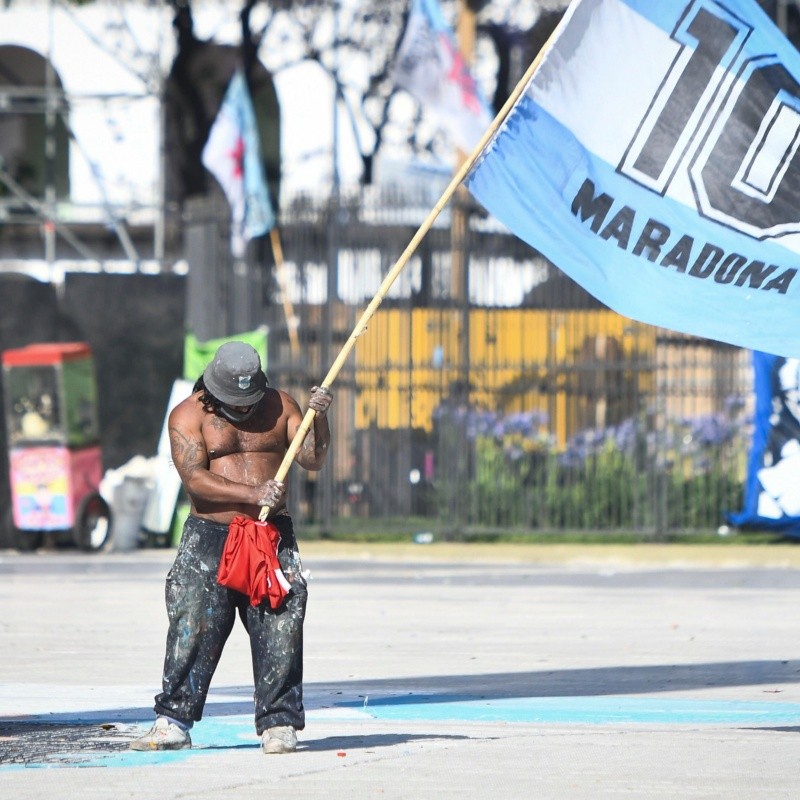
232 154
653 157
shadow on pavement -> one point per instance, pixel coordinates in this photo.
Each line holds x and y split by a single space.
595 682
570 682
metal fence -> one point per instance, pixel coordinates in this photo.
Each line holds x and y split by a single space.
490 393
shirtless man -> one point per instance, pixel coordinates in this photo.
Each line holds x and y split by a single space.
228 440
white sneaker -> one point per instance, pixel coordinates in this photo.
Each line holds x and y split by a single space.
164 735
281 739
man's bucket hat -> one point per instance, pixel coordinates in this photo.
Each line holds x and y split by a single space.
235 376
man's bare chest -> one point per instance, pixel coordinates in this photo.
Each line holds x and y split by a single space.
223 439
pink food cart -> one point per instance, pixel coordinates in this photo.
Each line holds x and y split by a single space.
54 445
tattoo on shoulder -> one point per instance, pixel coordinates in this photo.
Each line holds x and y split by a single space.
187 452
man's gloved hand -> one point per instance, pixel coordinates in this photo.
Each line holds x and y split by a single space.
272 493
320 400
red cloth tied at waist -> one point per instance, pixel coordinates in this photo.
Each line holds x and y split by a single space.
249 562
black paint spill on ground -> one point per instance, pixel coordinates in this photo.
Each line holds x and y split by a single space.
42 743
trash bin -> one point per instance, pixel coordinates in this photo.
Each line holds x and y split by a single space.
130 500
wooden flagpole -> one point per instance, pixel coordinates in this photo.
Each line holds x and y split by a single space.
288 308
361 326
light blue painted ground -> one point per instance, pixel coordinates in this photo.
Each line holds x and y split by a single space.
236 732
605 710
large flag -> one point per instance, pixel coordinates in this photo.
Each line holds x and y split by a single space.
653 157
772 488
429 65
233 155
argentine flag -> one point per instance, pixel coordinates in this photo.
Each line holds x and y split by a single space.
653 157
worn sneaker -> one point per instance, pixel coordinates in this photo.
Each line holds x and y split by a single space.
282 739
164 735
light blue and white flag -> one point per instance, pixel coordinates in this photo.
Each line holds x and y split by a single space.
429 65
653 157
232 154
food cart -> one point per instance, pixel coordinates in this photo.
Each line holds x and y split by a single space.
53 438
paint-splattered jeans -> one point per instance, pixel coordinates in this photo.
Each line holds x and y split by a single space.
201 617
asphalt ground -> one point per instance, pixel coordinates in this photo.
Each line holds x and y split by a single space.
432 671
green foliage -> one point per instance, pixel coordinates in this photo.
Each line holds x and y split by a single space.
674 481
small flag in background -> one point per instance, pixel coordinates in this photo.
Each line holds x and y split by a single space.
653 157
429 65
233 155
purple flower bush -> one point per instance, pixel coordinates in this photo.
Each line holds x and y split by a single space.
649 470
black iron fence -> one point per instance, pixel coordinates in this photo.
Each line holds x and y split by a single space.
490 392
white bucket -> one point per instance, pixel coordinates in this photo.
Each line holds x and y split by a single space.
130 500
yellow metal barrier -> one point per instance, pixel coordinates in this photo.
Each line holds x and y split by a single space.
566 364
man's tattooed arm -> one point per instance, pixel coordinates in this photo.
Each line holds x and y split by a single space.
188 454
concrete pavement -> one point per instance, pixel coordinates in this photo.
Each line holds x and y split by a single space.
431 672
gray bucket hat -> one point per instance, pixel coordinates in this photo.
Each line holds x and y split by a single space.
235 376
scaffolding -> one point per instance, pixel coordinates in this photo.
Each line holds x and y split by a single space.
45 229
38 111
